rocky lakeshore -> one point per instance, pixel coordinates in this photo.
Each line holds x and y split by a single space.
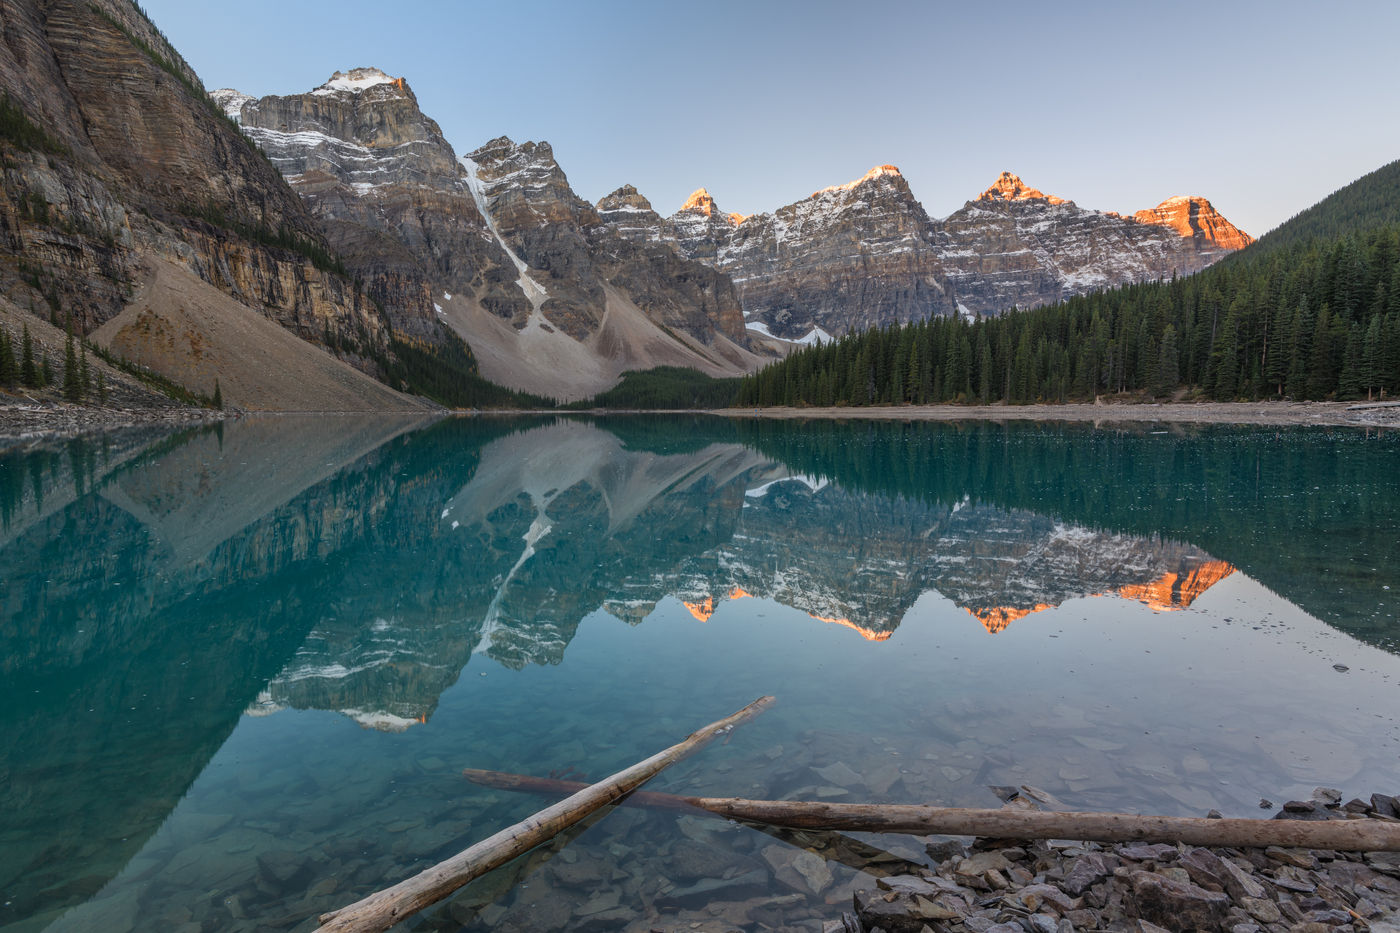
1001 886
50 420
1353 414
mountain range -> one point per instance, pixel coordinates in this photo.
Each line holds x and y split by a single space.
851 256
319 243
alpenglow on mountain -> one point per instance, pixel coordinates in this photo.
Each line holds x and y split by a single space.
848 257
866 253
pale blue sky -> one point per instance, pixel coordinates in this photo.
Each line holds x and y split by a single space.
1263 107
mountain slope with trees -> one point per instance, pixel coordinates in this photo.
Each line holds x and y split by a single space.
1305 314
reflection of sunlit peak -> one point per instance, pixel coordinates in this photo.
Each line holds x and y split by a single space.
1173 591
996 618
869 634
702 610
739 593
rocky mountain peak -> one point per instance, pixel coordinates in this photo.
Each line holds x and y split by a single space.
626 198
878 173
231 101
1009 187
359 80
1195 217
701 201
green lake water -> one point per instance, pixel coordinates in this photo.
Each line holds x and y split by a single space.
242 667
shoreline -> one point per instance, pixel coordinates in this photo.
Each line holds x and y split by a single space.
37 420
1338 414
1009 886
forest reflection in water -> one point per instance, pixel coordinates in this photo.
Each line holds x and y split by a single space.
1077 609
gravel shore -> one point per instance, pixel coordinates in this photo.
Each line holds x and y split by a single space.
1002 886
33 420
1357 414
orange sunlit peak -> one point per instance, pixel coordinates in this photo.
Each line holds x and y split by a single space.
996 618
875 172
1173 591
740 593
1009 187
869 634
699 200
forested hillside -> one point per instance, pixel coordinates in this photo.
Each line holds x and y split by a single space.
1313 315
1370 202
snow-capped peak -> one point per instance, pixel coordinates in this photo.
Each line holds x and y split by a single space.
231 101
875 172
357 80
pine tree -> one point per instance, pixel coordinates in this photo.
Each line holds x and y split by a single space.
84 373
9 369
72 381
28 374
1167 374
101 388
1372 352
218 396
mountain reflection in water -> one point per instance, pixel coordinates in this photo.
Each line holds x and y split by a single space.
156 588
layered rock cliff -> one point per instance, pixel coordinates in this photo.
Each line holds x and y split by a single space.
866 253
130 159
558 233
389 192
1017 247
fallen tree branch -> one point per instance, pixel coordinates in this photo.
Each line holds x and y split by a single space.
1358 835
385 908
832 846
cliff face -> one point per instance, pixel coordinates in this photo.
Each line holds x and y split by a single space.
555 231
389 192
865 253
137 162
1196 218
849 257
495 246
1017 247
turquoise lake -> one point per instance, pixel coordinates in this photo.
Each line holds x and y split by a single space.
243 666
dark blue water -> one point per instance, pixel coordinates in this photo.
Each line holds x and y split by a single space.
244 666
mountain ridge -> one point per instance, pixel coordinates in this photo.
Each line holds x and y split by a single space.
866 253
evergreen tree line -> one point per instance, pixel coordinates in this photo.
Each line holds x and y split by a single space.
22 366
1317 320
447 373
1369 202
672 387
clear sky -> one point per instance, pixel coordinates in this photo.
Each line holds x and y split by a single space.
1263 107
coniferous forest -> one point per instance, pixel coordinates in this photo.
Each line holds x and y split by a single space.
1312 311
1316 320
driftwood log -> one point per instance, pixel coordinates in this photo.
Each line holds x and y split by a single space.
392 905
1354 835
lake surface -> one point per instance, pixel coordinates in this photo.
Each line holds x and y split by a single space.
243 666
